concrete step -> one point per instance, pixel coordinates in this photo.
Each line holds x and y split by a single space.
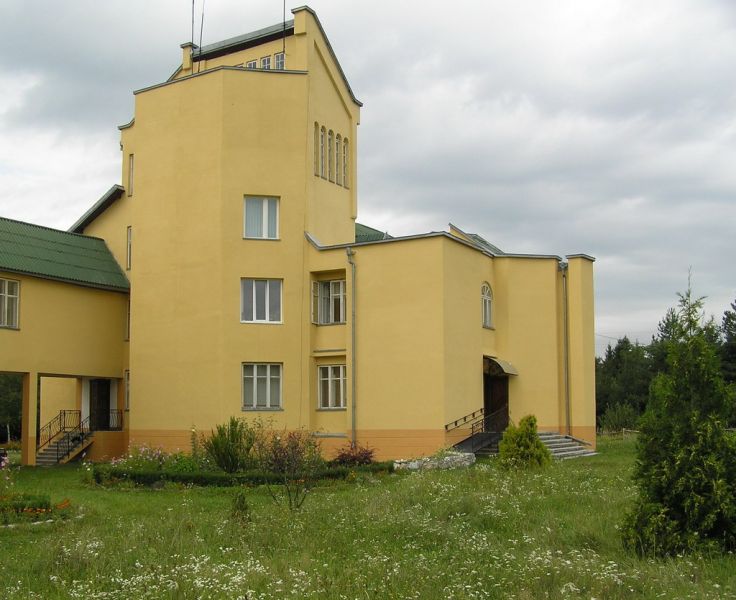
563 447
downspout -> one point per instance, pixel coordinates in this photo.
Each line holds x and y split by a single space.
566 347
353 377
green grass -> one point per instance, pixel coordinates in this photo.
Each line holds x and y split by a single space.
476 533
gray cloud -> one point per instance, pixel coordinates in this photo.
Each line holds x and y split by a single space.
577 126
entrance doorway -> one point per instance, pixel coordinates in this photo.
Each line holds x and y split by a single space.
99 404
495 396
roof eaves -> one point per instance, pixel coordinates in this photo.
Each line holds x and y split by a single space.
110 196
329 47
82 283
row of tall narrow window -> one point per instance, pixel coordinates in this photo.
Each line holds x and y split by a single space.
331 156
263 386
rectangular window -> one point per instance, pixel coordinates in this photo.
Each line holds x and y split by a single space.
261 218
260 300
129 248
127 321
261 386
328 302
9 299
280 61
332 386
266 62
251 64
130 175
126 383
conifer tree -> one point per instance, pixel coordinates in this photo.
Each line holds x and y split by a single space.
686 462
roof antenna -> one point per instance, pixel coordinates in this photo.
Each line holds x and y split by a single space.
201 29
283 37
191 50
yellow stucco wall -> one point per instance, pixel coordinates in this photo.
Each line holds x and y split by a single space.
57 394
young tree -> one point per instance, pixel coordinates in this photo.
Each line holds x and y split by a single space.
728 345
686 462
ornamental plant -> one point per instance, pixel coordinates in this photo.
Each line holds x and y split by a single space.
352 455
520 447
295 458
230 446
686 461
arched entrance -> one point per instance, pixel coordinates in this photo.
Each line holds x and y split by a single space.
496 393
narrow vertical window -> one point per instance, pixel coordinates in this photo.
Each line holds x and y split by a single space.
486 302
280 61
126 383
316 148
345 163
322 149
127 320
328 302
266 62
9 300
131 164
331 155
338 159
129 248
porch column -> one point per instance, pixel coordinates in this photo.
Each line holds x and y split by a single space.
29 418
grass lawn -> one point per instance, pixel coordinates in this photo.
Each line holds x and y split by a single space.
476 533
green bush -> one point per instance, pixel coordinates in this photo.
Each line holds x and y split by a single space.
240 509
230 446
618 417
520 447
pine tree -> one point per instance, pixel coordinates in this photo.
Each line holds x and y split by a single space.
728 347
686 461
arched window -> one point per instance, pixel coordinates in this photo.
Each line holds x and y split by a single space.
486 301
316 148
338 159
345 163
322 152
331 155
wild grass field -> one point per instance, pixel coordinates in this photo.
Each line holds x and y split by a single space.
476 533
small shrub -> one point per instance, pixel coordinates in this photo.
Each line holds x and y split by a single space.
618 417
295 458
230 446
352 455
520 447
240 508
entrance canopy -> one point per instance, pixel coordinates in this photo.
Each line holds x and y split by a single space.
498 367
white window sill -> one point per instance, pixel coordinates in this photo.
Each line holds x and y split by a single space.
262 239
260 409
10 327
489 327
332 409
329 324
262 322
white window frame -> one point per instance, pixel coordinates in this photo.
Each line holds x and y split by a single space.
325 373
316 148
324 293
486 299
331 155
129 248
338 159
127 321
269 404
266 63
251 64
322 150
267 321
279 60
345 163
6 300
264 218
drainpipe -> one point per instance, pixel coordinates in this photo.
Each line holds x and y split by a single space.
566 347
353 378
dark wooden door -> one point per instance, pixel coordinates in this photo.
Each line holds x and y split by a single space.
99 404
496 402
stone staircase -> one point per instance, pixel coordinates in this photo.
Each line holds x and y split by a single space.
563 446
48 456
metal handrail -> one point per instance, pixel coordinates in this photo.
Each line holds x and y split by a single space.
481 426
64 421
464 420
71 439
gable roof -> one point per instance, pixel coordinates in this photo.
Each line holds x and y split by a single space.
363 233
59 255
98 208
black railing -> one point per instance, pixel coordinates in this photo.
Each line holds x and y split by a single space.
71 439
66 420
106 420
496 422
464 420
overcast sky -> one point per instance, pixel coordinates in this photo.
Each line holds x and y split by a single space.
607 128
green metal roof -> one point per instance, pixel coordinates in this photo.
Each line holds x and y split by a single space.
53 254
363 233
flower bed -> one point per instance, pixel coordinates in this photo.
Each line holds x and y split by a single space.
19 508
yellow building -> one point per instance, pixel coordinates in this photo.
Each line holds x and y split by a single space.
231 279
